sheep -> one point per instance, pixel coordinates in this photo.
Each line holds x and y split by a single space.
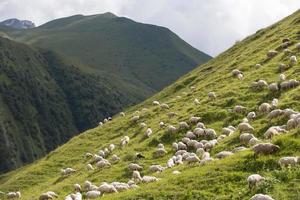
261 197
120 186
254 179
200 125
160 152
122 114
273 131
93 194
170 163
293 60
236 72
107 188
200 152
89 167
199 132
282 67
135 118
124 141
272 53
101 153
134 167
275 113
287 51
136 176
251 115
132 184
148 132
105 120
155 103
143 125
239 109
183 125
205 155
262 84
172 129
192 159
196 101
264 108
227 131
223 154
156 168
161 124
273 87
257 66
274 103
13 195
103 163
298 46
149 179
77 187
212 95
115 158
281 77
67 171
253 141
182 146
206 160
100 123
194 120
288 161
164 106
171 114
238 149
265 148
210 133
209 145
245 127
190 135
246 137
240 76
176 172
192 88
48 195
88 155
175 146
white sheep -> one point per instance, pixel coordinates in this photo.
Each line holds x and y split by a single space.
251 116
199 132
210 133
156 168
136 176
161 124
107 188
172 129
265 148
190 135
93 194
238 149
182 146
264 108
236 72
212 95
89 167
288 161
223 154
149 179
134 167
239 109
122 114
245 127
155 103
262 84
254 179
175 146
281 77
135 118
273 87
200 152
275 113
227 131
200 125
246 137
160 152
183 125
13 195
293 60
111 147
253 141
261 197
196 101
257 66
103 163
176 172
192 159
124 141
194 120
115 158
240 76
148 132
272 53
67 171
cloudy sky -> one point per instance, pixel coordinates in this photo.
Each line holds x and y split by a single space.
209 25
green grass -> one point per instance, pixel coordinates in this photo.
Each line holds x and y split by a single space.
222 179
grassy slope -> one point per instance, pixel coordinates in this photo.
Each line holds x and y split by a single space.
224 179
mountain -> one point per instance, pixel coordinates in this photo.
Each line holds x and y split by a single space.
17 24
220 179
79 70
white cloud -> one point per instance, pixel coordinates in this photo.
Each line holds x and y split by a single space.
209 25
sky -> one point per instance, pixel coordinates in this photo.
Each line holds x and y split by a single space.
211 26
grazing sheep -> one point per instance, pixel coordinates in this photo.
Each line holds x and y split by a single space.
172 129
171 114
275 113
160 145
135 167
190 135
161 124
245 127
149 179
281 77
212 95
93 194
103 163
251 116
182 146
67 171
298 46
253 141
254 179
156 168
287 51
239 109
274 103
236 72
13 195
257 66
143 125
136 176
199 132
48 195
164 106
160 152
176 172
101 153
115 158
200 125
282 67
221 137
107 188
293 60
288 161
170 163
273 87
262 84
175 146
264 108
265 148
100 123
273 131
200 152
240 76
261 197
223 154
210 144
135 118
148 132
227 131
210 133
272 53
155 103
111 147
122 114
77 187
194 120
124 141
183 125
120 186
88 155
196 101
193 159
246 137
206 160
89 167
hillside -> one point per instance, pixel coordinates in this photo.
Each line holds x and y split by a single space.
95 66
220 179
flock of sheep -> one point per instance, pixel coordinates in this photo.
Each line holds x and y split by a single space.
195 146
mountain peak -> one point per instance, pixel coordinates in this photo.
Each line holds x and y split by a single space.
18 24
